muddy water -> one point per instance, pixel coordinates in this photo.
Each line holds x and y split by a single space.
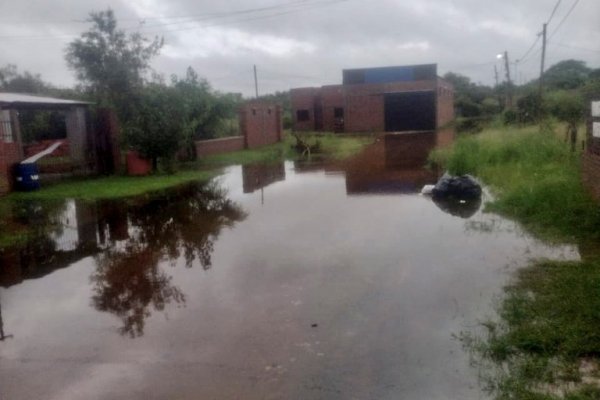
275 282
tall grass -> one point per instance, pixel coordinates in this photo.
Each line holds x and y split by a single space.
535 177
548 321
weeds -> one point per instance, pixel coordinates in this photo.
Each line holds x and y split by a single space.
536 178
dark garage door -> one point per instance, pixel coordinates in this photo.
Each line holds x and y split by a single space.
410 111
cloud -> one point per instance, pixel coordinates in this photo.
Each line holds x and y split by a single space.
230 42
306 42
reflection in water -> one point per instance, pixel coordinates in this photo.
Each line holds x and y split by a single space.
128 281
458 208
2 335
258 176
128 241
51 245
384 168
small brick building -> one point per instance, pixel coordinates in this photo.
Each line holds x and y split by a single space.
387 99
260 125
12 152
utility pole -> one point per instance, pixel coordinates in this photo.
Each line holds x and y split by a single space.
255 82
508 81
543 59
496 88
496 74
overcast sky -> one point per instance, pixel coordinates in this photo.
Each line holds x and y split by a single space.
308 42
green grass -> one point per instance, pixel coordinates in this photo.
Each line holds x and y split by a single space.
333 147
549 319
535 179
11 233
111 187
548 324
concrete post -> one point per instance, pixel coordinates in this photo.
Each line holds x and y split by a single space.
77 136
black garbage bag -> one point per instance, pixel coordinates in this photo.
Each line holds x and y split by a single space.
463 187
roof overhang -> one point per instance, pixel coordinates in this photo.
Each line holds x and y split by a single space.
22 101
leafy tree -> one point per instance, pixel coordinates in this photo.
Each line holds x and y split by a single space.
568 107
159 125
473 103
110 64
567 74
11 80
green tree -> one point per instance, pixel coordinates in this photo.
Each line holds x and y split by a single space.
11 80
567 74
473 103
159 125
568 107
110 64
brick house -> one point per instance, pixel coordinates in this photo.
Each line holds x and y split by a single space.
78 139
386 99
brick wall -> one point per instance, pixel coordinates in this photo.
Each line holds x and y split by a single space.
304 99
590 159
34 148
10 154
590 172
365 103
216 146
260 124
332 97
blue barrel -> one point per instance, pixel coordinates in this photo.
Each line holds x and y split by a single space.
27 177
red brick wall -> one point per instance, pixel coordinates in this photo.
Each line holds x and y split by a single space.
408 150
332 97
216 146
9 156
260 124
304 99
590 172
590 159
34 148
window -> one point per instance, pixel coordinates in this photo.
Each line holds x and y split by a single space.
302 115
269 111
338 112
6 132
254 111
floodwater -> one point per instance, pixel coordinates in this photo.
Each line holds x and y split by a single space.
273 282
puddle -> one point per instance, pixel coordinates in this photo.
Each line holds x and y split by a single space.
274 282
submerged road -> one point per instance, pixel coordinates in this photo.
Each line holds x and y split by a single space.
276 283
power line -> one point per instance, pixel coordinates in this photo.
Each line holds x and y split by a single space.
537 39
574 47
553 11
221 15
564 18
524 56
141 19
256 18
292 7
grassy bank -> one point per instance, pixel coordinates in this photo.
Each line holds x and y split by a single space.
332 147
114 187
535 179
545 343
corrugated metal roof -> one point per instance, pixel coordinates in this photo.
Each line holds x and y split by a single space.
16 99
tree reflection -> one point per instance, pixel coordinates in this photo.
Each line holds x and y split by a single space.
129 281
